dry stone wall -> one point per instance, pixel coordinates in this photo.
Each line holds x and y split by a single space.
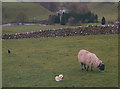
63 32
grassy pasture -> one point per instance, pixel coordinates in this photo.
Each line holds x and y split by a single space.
35 62
33 11
107 10
30 28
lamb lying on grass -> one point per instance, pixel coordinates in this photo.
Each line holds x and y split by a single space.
90 59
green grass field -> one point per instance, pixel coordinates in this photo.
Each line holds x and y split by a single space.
30 28
34 11
36 62
107 10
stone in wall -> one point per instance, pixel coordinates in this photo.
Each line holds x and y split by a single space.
64 32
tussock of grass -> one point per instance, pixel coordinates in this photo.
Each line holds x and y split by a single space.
36 62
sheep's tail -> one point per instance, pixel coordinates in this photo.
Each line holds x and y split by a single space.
79 55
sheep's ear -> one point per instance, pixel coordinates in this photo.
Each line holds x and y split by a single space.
98 66
101 64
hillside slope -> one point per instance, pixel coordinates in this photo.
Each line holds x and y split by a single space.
32 10
108 10
36 12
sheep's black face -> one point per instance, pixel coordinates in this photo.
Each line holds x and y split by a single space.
101 67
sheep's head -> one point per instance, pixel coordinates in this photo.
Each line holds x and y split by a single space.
101 66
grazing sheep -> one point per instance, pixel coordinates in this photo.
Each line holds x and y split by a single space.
90 59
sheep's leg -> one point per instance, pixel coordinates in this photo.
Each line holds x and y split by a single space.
87 68
91 69
84 66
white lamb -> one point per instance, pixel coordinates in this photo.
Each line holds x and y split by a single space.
90 59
